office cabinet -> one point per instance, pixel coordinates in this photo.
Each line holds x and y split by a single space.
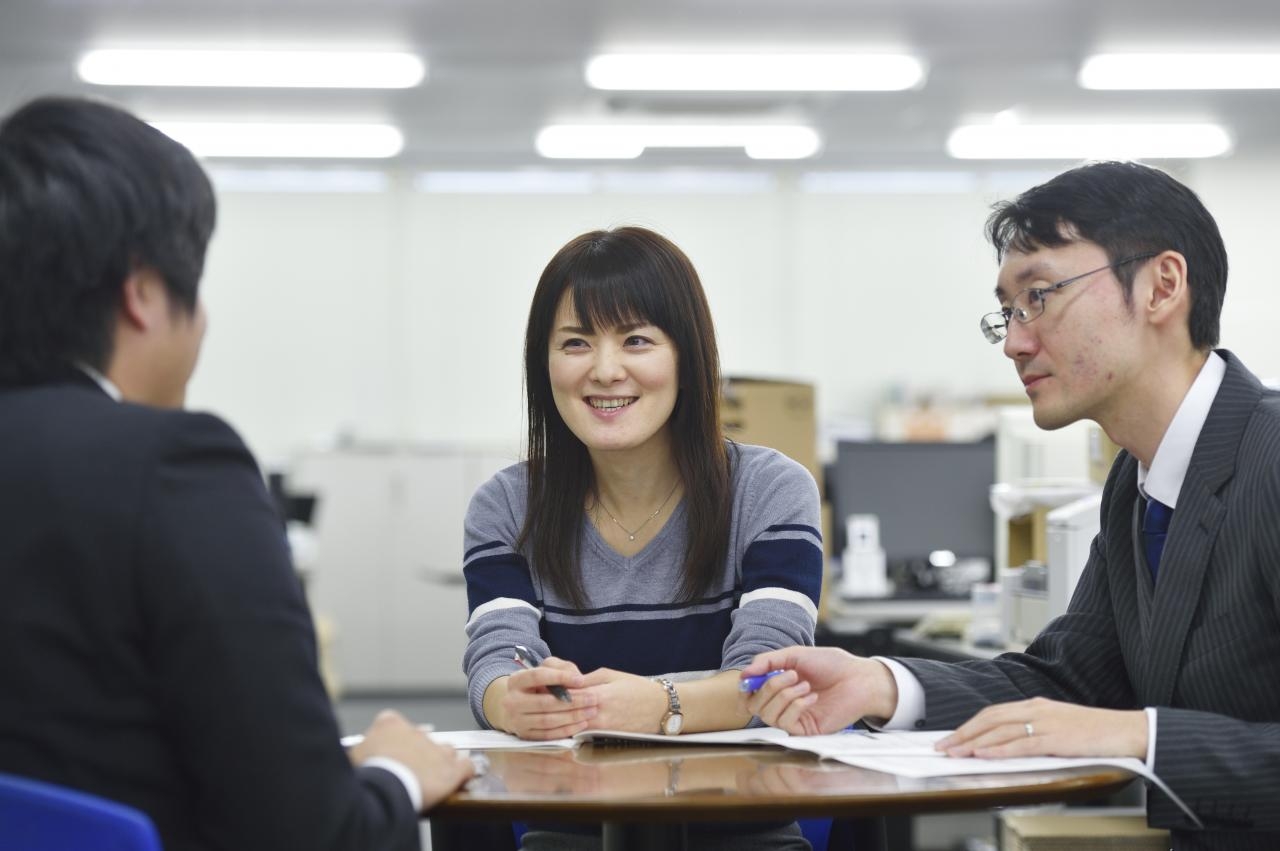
388 560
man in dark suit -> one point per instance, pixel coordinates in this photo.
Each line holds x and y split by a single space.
1111 284
157 647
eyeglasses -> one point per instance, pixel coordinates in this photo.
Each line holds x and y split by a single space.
1027 305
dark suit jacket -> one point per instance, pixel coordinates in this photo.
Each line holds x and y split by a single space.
157 649
1202 645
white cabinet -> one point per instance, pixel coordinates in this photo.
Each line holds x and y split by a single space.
388 561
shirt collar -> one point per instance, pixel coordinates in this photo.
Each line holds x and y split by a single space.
1163 481
102 381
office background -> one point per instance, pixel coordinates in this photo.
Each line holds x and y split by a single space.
380 303
384 300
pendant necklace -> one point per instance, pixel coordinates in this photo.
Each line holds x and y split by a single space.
631 533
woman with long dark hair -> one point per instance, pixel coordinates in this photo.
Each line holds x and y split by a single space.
641 556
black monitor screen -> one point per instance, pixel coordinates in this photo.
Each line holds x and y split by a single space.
928 496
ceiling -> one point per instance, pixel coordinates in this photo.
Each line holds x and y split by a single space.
501 69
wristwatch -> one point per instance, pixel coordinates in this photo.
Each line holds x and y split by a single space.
673 721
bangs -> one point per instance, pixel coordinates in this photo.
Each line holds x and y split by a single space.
608 301
1013 227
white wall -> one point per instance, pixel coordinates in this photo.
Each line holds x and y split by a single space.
398 315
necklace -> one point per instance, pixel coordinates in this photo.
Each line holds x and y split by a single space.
631 533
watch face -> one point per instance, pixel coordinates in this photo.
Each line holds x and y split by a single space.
672 724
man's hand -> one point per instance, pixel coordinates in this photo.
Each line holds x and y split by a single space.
822 690
1042 727
439 768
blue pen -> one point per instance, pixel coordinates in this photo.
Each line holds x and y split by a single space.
751 685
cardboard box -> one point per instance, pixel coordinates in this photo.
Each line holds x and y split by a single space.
1102 452
777 414
1086 831
1029 537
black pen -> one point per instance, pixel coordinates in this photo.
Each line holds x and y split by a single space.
528 661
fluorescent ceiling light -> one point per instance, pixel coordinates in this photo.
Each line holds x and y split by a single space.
628 141
256 68
1088 141
1181 71
888 182
285 141
687 182
505 182
298 180
837 72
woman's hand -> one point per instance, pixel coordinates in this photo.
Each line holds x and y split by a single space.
625 702
522 705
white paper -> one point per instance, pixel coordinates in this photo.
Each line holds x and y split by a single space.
939 765
863 743
493 740
749 736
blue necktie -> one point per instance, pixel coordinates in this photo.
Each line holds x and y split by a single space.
1155 526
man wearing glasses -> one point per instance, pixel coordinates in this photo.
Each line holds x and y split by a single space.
1111 283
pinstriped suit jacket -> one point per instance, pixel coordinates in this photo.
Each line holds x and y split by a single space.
1202 645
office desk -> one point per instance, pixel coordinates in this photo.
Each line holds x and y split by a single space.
643 794
866 626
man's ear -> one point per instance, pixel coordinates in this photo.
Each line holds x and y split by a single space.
140 298
1170 296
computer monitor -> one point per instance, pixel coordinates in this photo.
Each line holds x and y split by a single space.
929 497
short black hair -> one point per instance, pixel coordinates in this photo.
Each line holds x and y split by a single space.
1128 209
89 194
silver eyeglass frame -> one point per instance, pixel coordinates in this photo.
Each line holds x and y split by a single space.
1028 305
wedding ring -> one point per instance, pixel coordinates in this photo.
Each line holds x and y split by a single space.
1031 731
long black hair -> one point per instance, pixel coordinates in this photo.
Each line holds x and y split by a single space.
625 276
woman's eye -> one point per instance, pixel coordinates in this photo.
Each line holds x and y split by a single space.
573 343
637 340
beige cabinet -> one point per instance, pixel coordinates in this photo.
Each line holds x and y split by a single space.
388 561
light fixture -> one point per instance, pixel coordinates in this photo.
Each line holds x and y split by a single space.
285 141
759 72
1087 141
628 141
305 181
516 182
253 68
1181 71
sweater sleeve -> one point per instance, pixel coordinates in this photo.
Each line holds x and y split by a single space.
504 608
780 566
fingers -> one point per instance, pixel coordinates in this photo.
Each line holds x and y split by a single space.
546 675
1001 730
389 716
783 702
564 665
771 661
464 768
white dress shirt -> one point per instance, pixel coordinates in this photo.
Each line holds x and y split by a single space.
1162 481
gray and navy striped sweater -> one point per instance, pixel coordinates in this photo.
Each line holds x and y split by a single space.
766 598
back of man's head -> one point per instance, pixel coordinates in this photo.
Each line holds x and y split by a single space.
1128 209
89 194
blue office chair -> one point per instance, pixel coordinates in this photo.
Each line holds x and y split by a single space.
40 816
